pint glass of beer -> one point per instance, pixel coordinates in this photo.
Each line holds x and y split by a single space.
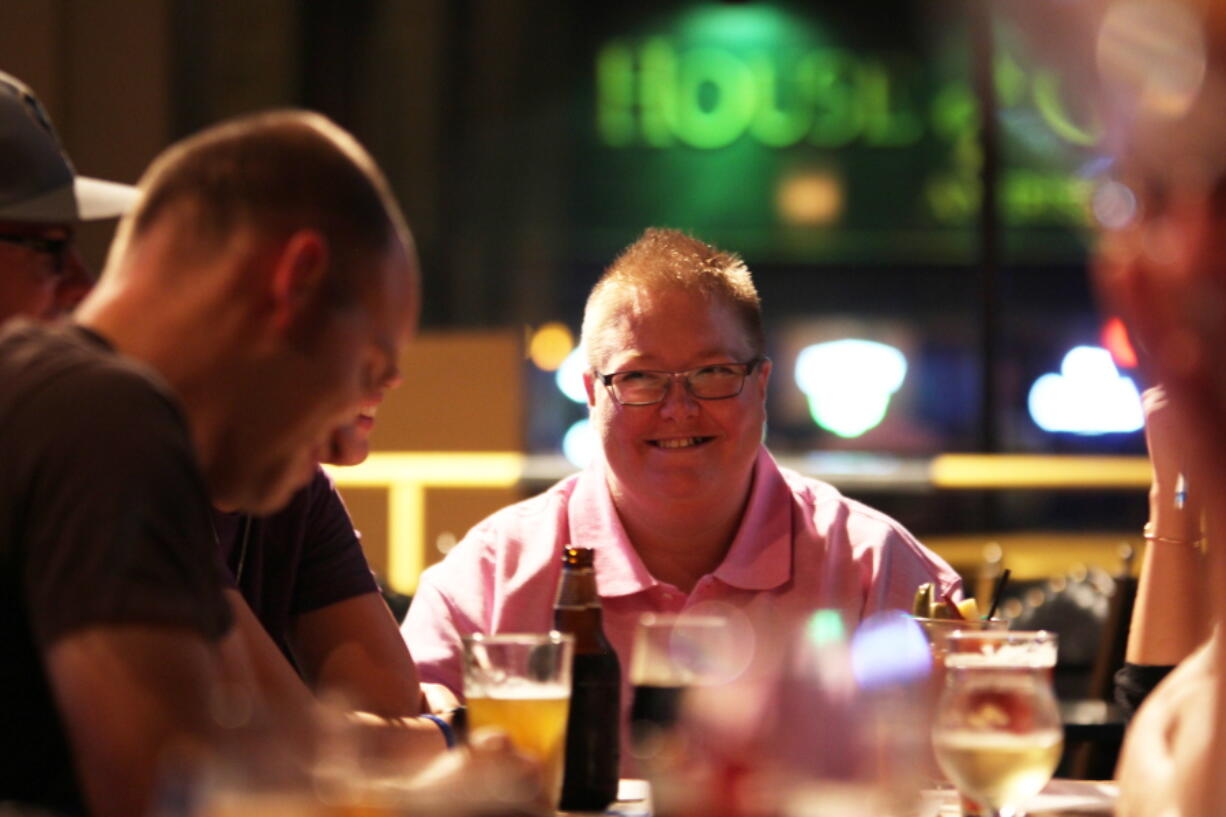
519 683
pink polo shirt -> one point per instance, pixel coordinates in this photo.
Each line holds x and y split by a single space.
801 545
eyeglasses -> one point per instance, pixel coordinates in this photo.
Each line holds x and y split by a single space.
716 381
57 248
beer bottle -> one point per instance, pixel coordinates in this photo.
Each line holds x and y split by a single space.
593 729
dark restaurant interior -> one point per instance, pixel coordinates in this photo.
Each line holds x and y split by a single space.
938 351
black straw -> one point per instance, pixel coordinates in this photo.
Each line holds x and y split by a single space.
996 591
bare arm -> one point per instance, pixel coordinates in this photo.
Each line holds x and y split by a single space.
132 697
1172 609
253 662
353 648
253 659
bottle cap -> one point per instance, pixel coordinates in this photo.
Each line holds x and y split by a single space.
577 557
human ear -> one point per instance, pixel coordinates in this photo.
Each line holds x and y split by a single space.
298 274
589 386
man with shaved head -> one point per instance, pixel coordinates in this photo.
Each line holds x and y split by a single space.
684 506
254 301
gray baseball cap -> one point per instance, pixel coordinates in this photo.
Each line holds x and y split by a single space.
37 181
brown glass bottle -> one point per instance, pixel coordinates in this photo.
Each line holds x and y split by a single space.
593 728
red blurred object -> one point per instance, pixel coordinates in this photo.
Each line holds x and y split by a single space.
1115 340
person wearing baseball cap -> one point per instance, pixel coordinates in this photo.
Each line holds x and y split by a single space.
41 200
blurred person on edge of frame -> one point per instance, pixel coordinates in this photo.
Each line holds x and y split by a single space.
683 505
1161 266
256 299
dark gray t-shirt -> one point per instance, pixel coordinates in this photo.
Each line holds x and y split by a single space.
104 519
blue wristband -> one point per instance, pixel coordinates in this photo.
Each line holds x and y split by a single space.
444 727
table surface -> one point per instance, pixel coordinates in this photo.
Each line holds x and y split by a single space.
1060 798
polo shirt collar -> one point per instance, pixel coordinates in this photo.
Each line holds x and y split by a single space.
761 554
594 523
760 557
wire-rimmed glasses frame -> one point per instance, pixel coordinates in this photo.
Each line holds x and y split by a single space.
647 387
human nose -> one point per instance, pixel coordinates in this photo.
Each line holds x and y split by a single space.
393 378
382 378
678 401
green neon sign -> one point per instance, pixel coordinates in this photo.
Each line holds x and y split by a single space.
706 118
707 97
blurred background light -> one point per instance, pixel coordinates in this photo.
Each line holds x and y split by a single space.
1115 340
889 648
579 444
1088 396
849 383
735 24
1050 104
825 627
550 344
1114 205
1154 51
570 375
809 198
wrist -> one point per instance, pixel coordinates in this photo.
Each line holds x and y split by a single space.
449 736
1178 538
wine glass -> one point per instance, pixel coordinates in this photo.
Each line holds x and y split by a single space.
997 732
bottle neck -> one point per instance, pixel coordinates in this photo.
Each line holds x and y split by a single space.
577 610
577 589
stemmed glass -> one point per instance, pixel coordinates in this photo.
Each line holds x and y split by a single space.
997 732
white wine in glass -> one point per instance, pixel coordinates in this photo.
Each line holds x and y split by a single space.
997 733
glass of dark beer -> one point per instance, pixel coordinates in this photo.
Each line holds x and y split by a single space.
671 653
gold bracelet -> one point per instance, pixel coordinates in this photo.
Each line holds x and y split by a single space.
1164 540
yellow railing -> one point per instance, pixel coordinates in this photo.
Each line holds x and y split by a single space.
407 475
1020 471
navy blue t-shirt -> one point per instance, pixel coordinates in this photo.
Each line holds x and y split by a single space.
300 559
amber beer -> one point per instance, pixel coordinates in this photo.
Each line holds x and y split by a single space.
593 729
520 684
535 720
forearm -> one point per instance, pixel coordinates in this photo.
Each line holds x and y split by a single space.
134 701
352 650
404 743
1170 617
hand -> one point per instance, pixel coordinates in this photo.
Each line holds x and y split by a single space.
488 777
438 699
1163 276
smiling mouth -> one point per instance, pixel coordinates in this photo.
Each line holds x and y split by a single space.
680 442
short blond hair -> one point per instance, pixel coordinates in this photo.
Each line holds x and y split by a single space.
667 259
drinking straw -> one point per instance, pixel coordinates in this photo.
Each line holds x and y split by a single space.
996 591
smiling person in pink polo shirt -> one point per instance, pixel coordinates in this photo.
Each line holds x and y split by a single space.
684 505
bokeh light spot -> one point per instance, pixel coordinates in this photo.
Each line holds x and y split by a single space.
1089 396
550 345
849 383
1115 340
579 444
569 378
